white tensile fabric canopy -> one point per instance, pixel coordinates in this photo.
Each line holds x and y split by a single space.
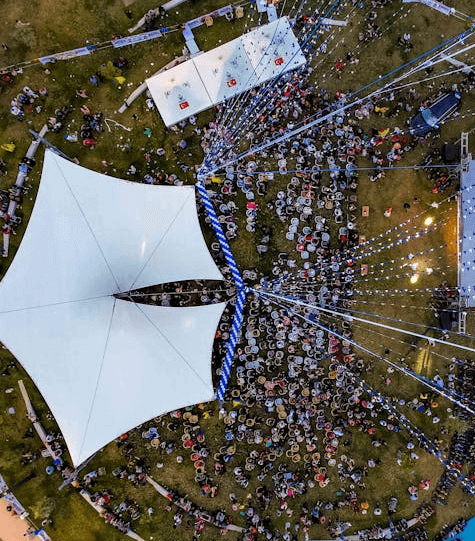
105 365
226 71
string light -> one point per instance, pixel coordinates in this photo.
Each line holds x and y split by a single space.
428 221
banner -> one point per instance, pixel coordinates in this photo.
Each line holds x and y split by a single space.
66 55
194 23
131 40
446 10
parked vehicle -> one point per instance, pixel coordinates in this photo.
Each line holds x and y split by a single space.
431 117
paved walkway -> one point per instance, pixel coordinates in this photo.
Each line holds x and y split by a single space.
12 526
101 510
410 523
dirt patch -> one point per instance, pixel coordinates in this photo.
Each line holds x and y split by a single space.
12 528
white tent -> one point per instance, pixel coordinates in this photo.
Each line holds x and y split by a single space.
272 49
104 365
226 71
181 91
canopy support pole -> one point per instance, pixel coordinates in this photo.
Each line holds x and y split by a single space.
223 241
231 346
41 139
31 414
242 290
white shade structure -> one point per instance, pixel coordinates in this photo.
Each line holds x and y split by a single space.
226 71
179 91
103 364
272 49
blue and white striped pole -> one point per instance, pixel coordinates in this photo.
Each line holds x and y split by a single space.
231 346
241 297
223 241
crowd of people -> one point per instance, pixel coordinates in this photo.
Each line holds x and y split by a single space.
296 400
451 531
461 452
292 380
26 100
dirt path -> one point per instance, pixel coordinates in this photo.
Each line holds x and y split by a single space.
12 527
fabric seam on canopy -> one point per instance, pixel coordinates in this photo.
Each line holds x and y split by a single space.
98 377
170 343
88 224
161 239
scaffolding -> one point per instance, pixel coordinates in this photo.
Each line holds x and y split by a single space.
465 158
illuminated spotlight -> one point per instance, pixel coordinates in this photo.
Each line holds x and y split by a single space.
428 221
414 278
429 270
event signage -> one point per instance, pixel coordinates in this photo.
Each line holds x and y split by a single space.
194 23
131 40
66 55
446 10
